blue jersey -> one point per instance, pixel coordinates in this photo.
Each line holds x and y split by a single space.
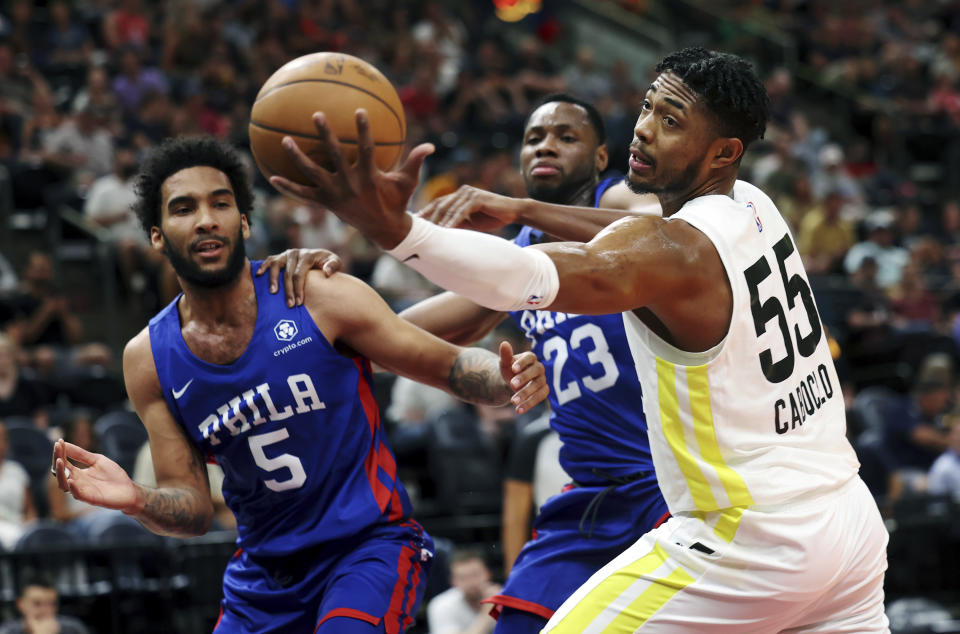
293 424
594 389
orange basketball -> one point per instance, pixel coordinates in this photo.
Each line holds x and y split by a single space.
335 84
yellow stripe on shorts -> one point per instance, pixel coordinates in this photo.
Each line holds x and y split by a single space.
649 602
703 496
606 592
706 433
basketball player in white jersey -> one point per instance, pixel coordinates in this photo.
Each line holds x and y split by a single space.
772 528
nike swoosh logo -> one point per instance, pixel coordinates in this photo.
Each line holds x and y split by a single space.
178 393
411 257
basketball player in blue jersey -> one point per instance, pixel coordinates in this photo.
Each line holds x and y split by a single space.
281 398
594 394
771 529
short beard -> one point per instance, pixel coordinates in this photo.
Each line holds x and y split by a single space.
680 185
563 194
187 270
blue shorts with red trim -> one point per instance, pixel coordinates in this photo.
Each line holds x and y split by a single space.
575 534
373 582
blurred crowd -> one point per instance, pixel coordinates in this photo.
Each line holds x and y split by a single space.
88 87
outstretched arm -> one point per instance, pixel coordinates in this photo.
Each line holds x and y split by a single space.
351 313
180 505
472 208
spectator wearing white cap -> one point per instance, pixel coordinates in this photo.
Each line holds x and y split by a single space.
879 245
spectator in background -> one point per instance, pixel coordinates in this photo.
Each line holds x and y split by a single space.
127 25
109 205
533 475
832 175
81 145
458 610
583 76
879 246
19 395
16 502
914 306
825 237
913 433
37 605
66 44
43 324
75 515
944 475
134 82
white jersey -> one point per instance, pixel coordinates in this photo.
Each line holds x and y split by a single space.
759 419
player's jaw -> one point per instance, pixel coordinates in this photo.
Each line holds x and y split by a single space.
209 260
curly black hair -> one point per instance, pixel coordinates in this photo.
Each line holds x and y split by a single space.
593 115
729 87
177 154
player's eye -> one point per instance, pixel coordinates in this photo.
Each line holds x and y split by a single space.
645 105
670 122
532 139
569 138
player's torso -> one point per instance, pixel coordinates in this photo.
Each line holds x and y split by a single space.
293 424
760 418
594 392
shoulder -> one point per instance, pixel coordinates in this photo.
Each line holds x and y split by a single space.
139 369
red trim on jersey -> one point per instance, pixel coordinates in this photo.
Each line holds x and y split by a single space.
568 487
663 518
366 397
503 601
349 613
387 462
411 596
219 618
380 492
391 620
396 507
238 553
211 459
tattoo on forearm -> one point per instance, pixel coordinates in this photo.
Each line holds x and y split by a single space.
475 377
177 512
173 512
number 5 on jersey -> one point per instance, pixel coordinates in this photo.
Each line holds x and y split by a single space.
772 308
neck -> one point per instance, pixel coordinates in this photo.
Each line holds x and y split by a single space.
716 184
222 305
583 197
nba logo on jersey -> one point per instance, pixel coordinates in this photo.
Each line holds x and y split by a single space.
285 330
756 218
534 300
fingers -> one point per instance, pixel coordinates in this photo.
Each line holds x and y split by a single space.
531 394
331 145
526 368
411 166
59 465
77 453
293 190
365 145
506 361
332 264
289 279
313 172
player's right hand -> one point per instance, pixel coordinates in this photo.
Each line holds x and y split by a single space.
102 483
472 208
298 262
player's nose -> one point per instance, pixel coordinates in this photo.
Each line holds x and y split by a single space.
206 219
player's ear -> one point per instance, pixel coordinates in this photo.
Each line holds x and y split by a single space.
601 158
726 151
156 238
244 226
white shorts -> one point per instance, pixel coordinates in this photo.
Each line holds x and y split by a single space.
814 565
